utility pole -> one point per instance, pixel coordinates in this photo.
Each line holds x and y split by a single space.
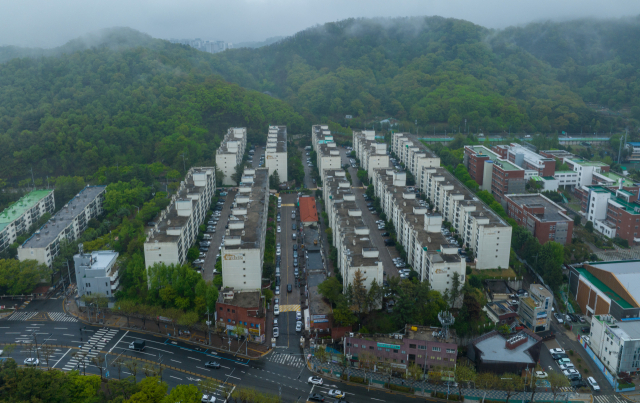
209 324
620 149
33 181
184 166
68 272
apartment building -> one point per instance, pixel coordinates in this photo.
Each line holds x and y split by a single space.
242 313
425 346
16 219
230 153
633 148
419 231
415 156
243 250
276 152
586 170
492 173
371 153
616 343
534 310
483 231
546 220
328 156
175 229
526 159
613 211
320 134
97 273
68 223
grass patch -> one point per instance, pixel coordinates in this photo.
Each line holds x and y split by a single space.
494 273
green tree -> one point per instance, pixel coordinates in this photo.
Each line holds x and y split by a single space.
331 289
21 277
589 226
184 394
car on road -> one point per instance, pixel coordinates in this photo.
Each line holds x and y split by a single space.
289 288
276 332
556 351
293 226
295 246
298 315
335 393
541 375
208 399
212 364
384 234
293 236
592 382
293 215
298 326
558 318
315 380
35 361
279 229
315 397
277 290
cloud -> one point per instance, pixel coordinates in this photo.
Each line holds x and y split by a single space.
45 23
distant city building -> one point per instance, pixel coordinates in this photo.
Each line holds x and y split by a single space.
527 159
97 273
175 229
16 219
230 153
634 151
203 45
68 223
546 220
276 152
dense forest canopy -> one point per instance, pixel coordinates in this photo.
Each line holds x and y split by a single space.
120 97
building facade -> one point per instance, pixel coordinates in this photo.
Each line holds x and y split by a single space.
543 218
97 273
492 173
230 153
175 229
16 219
67 224
276 152
534 310
241 313
371 153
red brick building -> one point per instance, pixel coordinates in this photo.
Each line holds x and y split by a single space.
241 307
493 173
615 212
543 218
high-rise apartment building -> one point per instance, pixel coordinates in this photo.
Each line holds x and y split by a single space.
276 152
16 219
230 153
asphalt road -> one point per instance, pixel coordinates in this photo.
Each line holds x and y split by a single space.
211 258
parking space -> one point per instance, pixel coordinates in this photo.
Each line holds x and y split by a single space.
218 235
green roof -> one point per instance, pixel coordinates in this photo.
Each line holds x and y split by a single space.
549 178
536 178
589 163
18 208
604 288
616 178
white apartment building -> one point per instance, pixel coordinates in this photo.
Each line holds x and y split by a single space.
586 170
414 155
243 250
276 152
483 231
328 157
68 223
371 154
320 134
616 343
16 219
97 273
418 231
230 153
176 228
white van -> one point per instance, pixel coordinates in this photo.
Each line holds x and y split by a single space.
592 382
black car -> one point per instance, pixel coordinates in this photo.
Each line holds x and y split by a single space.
204 249
389 242
384 234
212 364
585 329
316 397
277 280
295 246
289 288
556 357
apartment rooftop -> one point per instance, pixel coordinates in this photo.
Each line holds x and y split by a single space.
233 134
516 148
251 235
506 165
623 204
418 143
552 212
242 299
65 216
363 243
18 208
101 260
587 163
614 177
281 145
627 274
492 348
317 304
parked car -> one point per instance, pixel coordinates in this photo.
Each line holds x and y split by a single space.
276 332
558 318
276 309
565 367
208 399
384 234
277 290
298 326
541 375
556 351
585 329
289 288
315 397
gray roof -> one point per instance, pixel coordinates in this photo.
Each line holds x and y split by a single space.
255 214
627 272
493 348
552 212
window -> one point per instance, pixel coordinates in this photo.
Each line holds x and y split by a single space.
435 348
451 351
370 347
355 345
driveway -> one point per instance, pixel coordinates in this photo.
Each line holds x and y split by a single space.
210 261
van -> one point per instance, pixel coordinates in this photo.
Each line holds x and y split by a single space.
137 345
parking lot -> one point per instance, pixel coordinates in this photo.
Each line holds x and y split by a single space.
217 236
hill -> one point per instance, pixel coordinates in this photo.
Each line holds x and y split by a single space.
110 105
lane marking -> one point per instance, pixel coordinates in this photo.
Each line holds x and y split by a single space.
234 377
175 361
60 328
175 377
114 346
194 358
204 368
66 334
61 358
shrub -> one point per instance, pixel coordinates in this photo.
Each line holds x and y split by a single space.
354 379
442 395
398 388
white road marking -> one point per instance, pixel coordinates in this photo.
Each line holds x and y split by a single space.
232 376
176 361
225 367
194 358
114 346
61 358
66 334
380 400
204 368
60 328
174 377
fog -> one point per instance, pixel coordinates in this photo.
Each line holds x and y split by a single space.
45 23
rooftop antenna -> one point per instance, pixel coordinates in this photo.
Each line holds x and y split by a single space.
447 320
80 248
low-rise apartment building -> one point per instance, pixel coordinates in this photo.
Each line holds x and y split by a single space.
241 313
616 343
68 223
97 273
414 155
534 310
482 230
586 170
175 229
492 173
230 153
613 211
543 218
371 153
526 159
276 152
243 250
425 346
16 219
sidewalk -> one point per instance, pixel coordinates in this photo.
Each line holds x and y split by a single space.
377 379
155 327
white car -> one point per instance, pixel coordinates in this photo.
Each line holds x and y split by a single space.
275 322
298 326
277 290
279 229
567 366
278 251
335 393
570 372
556 351
276 309
316 380
298 315
541 374
559 319
208 399
276 332
32 361
592 382
198 261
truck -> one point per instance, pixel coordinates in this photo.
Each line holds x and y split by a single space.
137 345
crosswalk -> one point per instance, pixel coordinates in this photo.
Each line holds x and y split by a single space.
289 308
287 359
609 399
41 316
90 349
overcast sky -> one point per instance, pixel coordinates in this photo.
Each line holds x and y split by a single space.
49 23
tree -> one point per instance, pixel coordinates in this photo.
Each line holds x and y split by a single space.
577 220
150 390
21 277
274 180
487 380
132 366
321 353
331 289
359 292
589 226
510 383
98 362
464 374
236 176
46 351
414 373
9 349
557 381
207 386
184 394
454 293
